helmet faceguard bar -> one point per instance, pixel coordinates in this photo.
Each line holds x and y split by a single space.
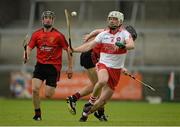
48 14
117 14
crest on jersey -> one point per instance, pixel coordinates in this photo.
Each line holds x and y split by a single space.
51 39
118 39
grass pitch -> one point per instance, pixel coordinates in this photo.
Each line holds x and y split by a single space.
15 112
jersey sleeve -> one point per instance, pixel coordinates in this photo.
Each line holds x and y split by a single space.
98 38
32 41
127 35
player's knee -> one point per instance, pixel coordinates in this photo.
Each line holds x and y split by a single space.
35 91
102 83
48 95
102 102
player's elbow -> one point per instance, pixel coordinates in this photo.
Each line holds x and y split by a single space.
130 46
29 48
87 47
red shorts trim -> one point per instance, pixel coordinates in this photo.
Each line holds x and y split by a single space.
114 75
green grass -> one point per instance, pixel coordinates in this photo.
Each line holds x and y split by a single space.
55 113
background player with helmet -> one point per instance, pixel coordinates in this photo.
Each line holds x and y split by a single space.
49 43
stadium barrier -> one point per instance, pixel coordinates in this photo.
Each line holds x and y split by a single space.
127 89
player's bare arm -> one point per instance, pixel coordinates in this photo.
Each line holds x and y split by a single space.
70 64
85 47
28 51
129 44
92 34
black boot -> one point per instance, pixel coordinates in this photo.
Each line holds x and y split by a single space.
71 102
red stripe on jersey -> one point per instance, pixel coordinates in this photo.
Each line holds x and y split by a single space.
110 49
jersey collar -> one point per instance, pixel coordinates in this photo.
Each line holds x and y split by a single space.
119 29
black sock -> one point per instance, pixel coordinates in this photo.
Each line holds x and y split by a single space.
101 111
38 112
76 96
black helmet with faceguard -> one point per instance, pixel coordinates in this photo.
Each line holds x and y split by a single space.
47 14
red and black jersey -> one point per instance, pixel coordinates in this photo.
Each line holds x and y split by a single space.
49 46
96 53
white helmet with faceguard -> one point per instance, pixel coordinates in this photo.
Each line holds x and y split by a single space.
116 14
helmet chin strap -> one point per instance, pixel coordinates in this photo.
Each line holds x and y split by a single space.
114 27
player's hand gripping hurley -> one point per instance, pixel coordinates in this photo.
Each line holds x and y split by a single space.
69 27
130 75
25 48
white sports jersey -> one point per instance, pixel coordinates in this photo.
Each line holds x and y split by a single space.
108 54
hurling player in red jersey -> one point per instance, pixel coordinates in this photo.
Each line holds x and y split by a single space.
49 43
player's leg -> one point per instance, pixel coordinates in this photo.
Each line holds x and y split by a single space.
93 78
49 91
100 114
103 77
51 82
106 77
102 81
36 85
86 62
71 100
52 76
106 94
114 76
92 74
43 72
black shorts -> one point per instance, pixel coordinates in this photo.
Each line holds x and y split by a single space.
46 72
86 60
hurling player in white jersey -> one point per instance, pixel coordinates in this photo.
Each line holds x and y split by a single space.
115 42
